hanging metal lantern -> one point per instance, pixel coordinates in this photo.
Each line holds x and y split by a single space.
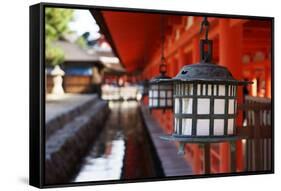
160 91
145 85
205 100
160 94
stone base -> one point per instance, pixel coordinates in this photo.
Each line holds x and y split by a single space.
62 111
68 145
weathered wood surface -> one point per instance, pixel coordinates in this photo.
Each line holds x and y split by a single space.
258 130
173 164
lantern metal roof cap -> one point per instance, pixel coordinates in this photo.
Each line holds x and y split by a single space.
161 78
207 72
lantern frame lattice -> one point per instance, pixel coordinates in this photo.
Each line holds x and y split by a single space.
160 94
209 86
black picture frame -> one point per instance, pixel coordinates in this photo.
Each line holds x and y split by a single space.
37 93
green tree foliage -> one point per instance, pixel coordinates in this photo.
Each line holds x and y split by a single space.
54 55
81 41
56 27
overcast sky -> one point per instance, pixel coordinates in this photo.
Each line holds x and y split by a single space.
84 22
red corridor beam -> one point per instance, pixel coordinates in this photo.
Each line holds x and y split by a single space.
134 35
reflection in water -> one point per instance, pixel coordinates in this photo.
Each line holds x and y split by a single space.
122 150
105 167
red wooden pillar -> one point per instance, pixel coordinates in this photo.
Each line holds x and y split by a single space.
254 85
181 59
230 44
267 81
171 66
169 121
176 67
195 50
196 159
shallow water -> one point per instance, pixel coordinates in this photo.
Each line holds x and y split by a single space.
122 150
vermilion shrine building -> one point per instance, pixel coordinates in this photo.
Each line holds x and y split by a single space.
241 45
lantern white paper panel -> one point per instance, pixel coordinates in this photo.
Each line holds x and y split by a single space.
169 102
203 106
155 93
221 90
155 102
231 106
162 93
187 105
209 89
177 105
155 87
169 93
166 87
232 90
150 93
203 127
198 89
219 105
186 126
229 90
215 90
162 102
219 127
176 125
230 128
204 89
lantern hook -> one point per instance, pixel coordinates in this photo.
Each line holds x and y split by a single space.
163 66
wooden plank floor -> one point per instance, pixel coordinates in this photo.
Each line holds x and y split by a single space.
172 163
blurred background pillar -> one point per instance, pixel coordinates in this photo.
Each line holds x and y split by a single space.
230 56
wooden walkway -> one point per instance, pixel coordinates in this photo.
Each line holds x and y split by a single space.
172 163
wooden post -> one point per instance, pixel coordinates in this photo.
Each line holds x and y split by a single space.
196 158
230 46
233 155
207 158
257 145
267 81
181 59
195 50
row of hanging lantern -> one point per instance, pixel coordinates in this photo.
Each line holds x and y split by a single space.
161 92
203 97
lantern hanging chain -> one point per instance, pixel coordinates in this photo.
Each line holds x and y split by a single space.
206 55
162 38
162 61
205 23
